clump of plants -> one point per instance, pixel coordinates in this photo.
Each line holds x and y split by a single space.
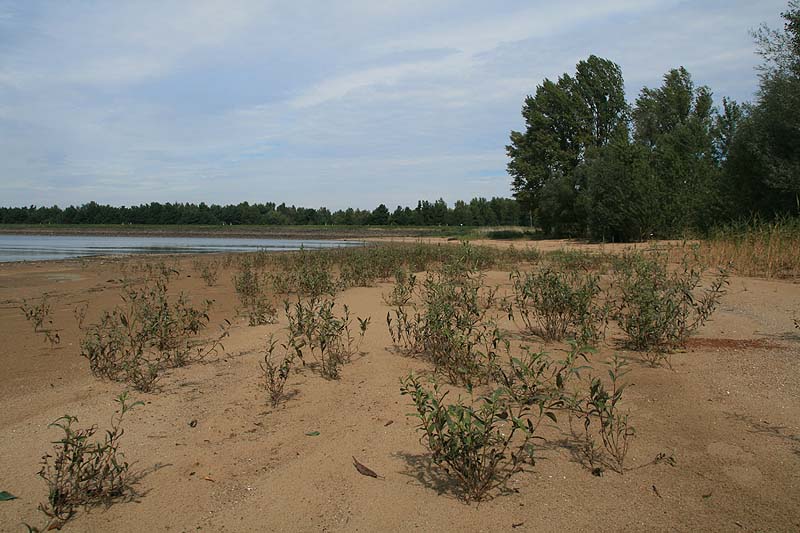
451 326
208 270
317 332
306 273
602 418
480 446
558 304
276 370
402 293
85 472
252 295
40 315
658 309
147 333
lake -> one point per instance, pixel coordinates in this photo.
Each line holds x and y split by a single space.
49 247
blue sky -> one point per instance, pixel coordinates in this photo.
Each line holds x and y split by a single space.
341 103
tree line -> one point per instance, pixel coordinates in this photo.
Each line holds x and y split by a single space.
477 212
590 164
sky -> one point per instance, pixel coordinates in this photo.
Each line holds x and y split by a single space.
341 104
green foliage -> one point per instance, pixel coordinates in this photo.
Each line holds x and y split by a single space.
450 326
658 309
40 315
148 333
252 295
82 472
480 446
600 410
316 330
208 270
555 304
276 370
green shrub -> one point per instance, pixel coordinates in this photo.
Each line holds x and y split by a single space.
554 304
148 333
658 309
316 330
81 472
276 371
600 408
480 446
252 296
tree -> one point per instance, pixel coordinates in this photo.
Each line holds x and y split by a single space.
564 119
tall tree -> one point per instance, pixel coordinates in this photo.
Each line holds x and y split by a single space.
564 119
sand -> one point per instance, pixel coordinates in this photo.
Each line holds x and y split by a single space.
728 412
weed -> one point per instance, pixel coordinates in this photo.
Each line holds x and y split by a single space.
403 291
316 330
84 473
613 427
480 446
135 341
208 270
451 327
252 295
276 370
554 304
40 315
658 309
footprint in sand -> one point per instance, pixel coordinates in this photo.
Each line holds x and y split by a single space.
743 474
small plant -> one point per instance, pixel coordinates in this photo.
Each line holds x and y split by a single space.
451 326
555 304
657 309
82 472
403 291
480 446
148 333
600 408
252 295
316 330
40 315
208 270
276 371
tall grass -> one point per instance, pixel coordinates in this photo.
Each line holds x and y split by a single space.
757 248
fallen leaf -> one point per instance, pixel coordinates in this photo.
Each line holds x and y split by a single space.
6 496
389 423
363 470
312 434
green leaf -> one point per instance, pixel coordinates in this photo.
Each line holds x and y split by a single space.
312 434
6 496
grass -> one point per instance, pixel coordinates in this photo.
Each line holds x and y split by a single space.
757 249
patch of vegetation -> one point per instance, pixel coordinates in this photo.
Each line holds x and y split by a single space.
40 315
555 304
479 446
252 295
659 309
602 417
83 472
316 330
208 270
148 333
276 370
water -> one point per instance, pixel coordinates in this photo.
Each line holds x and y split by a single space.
49 247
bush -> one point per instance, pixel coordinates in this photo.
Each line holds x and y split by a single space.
276 371
451 327
82 472
657 309
481 447
316 330
555 304
147 334
613 427
40 315
208 270
252 296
